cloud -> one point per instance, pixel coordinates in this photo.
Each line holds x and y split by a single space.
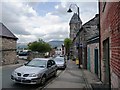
26 38
17 29
87 9
28 24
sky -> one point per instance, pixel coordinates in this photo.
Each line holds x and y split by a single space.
46 19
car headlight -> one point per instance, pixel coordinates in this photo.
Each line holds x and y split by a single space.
14 73
33 75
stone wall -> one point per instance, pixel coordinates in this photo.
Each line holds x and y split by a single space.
33 55
8 44
9 57
8 51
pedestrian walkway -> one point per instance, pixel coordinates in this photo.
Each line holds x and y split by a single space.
71 78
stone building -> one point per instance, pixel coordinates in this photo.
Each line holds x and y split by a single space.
8 45
91 45
75 25
93 63
110 43
88 31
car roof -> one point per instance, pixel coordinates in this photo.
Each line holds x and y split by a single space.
59 57
42 59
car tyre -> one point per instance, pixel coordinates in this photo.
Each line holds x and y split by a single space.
55 73
43 80
64 67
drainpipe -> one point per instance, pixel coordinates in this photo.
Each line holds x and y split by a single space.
99 44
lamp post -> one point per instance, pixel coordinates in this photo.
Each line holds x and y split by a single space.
69 11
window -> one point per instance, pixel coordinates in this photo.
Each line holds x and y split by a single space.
49 63
52 62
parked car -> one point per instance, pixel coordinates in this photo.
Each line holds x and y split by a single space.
23 54
61 62
35 71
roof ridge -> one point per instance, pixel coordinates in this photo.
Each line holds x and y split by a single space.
5 32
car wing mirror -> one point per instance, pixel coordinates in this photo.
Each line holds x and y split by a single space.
48 65
25 63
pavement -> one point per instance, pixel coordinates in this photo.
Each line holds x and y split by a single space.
73 78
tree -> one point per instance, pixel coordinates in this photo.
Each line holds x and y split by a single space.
39 46
67 43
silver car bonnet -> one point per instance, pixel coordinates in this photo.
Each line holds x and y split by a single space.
29 70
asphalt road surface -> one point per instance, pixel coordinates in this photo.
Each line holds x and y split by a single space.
8 84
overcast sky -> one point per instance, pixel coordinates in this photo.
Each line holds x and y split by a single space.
42 19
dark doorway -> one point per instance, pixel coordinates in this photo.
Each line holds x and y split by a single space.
106 59
96 61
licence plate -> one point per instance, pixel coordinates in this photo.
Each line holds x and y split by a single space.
20 78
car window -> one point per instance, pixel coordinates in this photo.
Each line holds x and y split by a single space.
52 62
59 59
49 63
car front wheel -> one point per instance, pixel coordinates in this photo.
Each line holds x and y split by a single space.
55 73
43 80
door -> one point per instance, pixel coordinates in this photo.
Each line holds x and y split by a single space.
106 58
49 68
96 61
88 59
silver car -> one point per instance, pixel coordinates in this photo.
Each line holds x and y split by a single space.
34 72
61 62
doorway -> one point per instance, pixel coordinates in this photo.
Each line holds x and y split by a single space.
106 58
96 61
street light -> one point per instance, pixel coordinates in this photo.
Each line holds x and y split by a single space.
69 11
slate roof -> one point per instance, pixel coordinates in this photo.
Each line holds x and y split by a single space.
93 21
91 27
75 19
5 32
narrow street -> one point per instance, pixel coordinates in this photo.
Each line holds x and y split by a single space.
7 83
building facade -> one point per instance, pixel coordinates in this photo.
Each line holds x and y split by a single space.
87 33
110 43
93 63
8 45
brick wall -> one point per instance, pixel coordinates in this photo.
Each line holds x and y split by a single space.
0 51
110 28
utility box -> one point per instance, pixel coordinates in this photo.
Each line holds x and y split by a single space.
77 61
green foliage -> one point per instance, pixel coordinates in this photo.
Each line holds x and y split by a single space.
67 43
39 46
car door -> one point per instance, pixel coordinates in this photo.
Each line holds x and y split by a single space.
49 68
54 66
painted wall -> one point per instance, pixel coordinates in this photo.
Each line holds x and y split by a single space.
92 48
